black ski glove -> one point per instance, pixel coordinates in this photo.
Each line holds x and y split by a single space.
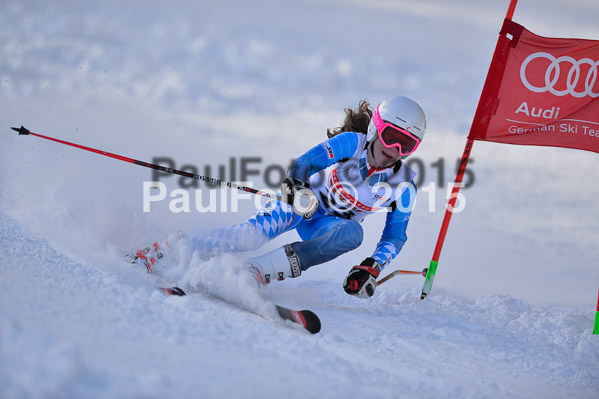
301 198
361 280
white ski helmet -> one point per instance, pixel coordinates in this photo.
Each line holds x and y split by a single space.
402 112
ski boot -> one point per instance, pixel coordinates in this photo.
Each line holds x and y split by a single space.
146 258
275 265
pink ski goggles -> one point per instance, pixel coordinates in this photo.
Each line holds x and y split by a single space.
393 136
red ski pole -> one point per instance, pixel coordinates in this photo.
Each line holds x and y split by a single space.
24 131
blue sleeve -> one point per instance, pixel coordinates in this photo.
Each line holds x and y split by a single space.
394 234
324 155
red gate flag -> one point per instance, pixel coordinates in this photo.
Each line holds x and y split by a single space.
540 91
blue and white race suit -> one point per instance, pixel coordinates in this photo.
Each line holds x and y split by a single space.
348 188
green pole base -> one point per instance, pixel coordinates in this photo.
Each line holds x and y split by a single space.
596 329
428 281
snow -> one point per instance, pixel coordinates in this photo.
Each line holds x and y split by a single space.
511 312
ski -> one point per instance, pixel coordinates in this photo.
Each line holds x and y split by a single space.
176 291
148 257
305 318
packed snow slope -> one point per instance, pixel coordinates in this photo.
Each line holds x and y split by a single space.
215 84
74 330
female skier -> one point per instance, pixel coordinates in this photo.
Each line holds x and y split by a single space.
327 193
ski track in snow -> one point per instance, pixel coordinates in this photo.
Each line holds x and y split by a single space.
199 81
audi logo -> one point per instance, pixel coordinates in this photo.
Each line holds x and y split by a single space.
552 75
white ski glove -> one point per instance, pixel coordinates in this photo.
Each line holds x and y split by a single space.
303 200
